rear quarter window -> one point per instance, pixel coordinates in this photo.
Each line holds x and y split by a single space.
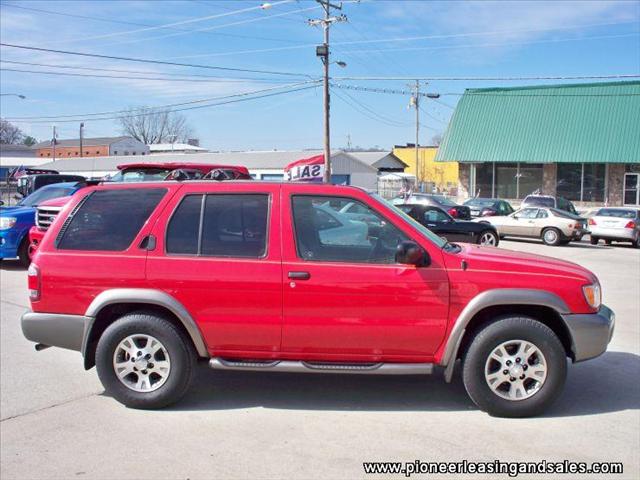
108 220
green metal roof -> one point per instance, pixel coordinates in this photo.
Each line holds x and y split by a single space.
592 122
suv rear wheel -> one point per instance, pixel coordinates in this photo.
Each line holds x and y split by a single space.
144 361
515 367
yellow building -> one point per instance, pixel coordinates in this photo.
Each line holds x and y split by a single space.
443 176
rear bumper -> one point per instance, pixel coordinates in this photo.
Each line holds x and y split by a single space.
590 333
55 330
627 234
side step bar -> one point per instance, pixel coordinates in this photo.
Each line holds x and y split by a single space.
317 367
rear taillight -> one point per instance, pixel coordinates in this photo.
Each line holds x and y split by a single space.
592 221
488 213
630 225
33 282
453 212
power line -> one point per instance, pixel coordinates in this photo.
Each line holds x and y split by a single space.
142 72
156 62
476 34
499 44
79 116
146 113
137 24
367 111
125 77
215 27
496 79
174 24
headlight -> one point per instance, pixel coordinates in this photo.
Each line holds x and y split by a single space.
593 295
7 222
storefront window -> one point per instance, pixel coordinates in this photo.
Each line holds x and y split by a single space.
569 180
506 180
593 182
530 179
484 180
581 181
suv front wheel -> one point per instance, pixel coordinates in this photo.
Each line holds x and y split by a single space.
515 367
144 361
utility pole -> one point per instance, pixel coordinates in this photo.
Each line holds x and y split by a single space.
415 102
81 129
54 141
322 51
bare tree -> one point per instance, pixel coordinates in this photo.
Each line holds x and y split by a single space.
152 126
10 134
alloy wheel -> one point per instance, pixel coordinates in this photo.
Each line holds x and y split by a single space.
516 370
141 362
551 236
488 239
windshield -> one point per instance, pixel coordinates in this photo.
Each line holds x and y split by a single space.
141 175
479 202
539 202
44 194
612 212
428 234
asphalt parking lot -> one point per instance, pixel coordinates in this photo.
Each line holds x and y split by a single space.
56 421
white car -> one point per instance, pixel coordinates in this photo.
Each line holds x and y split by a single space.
336 228
619 224
553 226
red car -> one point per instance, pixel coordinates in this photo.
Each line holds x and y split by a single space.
266 277
138 172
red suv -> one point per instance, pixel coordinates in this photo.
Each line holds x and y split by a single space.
146 280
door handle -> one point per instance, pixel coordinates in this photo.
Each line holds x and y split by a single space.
299 275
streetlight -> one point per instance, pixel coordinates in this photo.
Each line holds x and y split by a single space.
22 97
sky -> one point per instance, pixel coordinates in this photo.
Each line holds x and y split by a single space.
406 39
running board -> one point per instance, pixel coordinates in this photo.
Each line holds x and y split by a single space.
318 367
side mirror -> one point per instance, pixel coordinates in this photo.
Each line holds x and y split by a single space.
410 253
1 203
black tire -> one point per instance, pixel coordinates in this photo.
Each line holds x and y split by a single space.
180 351
565 242
23 253
551 236
594 240
608 242
506 329
496 238
636 244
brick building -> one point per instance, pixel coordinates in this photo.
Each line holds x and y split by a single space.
92 147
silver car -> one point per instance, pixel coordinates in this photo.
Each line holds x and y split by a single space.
621 224
553 226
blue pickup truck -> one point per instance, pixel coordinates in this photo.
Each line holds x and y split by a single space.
15 221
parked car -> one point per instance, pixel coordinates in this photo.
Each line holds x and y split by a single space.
452 208
613 224
151 172
489 207
139 172
443 224
553 226
30 183
237 274
16 221
547 201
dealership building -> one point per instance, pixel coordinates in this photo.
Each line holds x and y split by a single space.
579 141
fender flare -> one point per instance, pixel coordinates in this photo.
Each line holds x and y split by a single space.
492 298
144 296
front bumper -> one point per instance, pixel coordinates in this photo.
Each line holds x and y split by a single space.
9 243
56 330
590 333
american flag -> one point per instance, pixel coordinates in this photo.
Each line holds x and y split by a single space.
17 172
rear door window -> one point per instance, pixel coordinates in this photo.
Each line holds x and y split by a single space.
221 225
108 220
